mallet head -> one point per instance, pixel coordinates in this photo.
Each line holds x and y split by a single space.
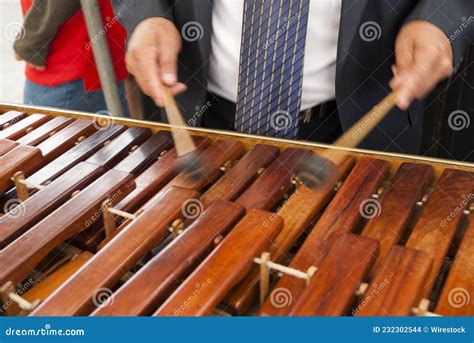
315 171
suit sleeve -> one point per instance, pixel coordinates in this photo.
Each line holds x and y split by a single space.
132 12
454 17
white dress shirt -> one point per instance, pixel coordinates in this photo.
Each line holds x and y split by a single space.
319 73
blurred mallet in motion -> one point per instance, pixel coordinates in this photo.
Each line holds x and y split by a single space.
317 170
189 159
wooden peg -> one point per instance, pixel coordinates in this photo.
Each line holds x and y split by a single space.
21 189
218 240
109 219
226 166
264 276
177 227
362 289
311 271
21 185
13 303
422 309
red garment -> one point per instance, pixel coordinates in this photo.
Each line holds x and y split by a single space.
70 55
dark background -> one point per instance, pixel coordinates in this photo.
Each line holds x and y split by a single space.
439 140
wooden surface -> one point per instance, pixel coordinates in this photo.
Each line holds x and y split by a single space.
76 154
397 206
341 216
64 139
146 154
149 287
154 179
397 286
9 118
457 297
248 141
213 158
6 145
21 158
332 289
19 258
50 283
435 230
269 188
23 126
297 212
45 131
241 175
228 264
116 258
119 147
47 200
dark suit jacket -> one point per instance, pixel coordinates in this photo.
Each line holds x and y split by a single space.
363 63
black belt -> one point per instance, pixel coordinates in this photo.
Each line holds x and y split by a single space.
322 110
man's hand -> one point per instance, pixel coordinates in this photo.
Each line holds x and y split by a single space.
424 57
152 57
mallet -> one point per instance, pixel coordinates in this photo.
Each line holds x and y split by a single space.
320 169
189 158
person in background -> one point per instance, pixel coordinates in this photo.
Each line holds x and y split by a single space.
60 68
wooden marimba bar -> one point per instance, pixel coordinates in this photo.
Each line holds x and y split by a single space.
99 220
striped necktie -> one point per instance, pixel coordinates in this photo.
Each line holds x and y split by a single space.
271 67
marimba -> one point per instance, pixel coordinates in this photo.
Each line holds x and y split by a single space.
99 220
